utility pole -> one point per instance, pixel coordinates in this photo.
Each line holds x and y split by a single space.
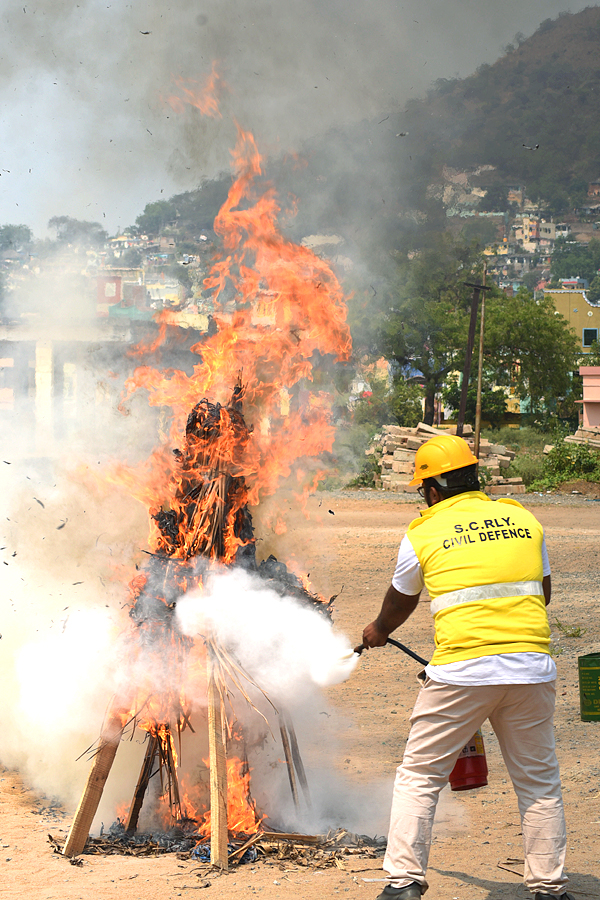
477 290
480 368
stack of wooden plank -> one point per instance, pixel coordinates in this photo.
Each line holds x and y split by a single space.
589 435
396 446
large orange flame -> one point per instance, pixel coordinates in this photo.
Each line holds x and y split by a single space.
242 817
280 312
288 311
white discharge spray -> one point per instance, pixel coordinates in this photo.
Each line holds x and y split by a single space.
289 650
281 644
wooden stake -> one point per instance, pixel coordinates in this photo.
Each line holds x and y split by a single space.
142 785
291 836
218 772
88 805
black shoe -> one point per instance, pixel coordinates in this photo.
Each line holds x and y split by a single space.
543 895
410 891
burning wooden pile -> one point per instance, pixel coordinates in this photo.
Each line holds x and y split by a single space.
318 851
207 522
396 446
280 319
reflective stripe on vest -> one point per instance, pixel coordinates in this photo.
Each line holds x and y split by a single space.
487 592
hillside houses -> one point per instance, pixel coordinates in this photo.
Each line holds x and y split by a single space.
130 277
520 234
524 257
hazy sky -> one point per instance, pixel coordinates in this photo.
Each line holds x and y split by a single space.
86 129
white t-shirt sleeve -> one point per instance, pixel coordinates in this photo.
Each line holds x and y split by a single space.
408 576
545 560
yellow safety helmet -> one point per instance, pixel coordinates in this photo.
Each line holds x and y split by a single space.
442 454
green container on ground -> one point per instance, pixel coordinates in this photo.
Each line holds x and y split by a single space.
589 687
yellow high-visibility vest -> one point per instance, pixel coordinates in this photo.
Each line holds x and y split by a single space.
482 564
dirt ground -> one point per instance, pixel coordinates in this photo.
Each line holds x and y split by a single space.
476 853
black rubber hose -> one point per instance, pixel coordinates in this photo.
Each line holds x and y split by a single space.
404 649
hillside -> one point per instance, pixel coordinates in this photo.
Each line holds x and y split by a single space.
369 182
545 91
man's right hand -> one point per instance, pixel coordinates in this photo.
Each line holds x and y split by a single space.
395 610
373 636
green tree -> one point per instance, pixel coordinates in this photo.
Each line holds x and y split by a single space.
155 217
406 403
426 326
373 407
557 201
131 258
593 294
496 199
593 357
528 345
531 278
12 237
182 274
493 399
571 259
578 191
402 404
74 231
481 230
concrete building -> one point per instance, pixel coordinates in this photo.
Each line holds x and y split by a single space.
591 396
582 315
49 386
61 373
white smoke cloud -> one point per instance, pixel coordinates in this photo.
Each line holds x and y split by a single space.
61 601
287 648
67 657
78 658
291 652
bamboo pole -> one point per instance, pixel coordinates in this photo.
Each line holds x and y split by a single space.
298 764
171 774
88 805
218 771
289 761
478 290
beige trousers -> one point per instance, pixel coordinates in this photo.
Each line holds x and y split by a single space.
444 719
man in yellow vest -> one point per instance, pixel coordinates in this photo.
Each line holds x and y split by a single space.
486 569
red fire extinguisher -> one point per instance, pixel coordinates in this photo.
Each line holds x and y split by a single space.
470 770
